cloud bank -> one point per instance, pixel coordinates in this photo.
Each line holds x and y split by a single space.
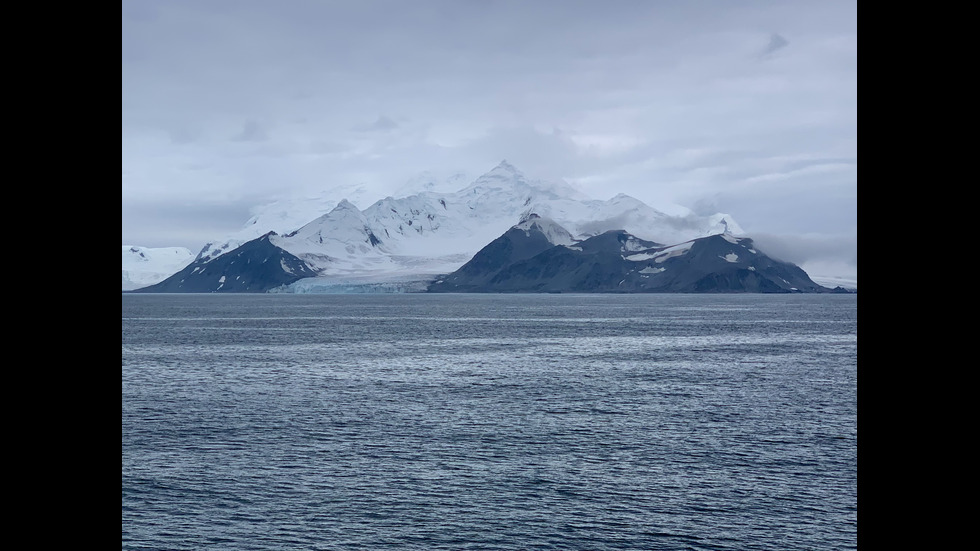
226 104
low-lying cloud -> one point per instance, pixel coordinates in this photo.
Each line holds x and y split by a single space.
776 42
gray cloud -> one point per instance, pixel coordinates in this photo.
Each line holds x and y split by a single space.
809 248
381 124
184 135
252 131
182 223
776 42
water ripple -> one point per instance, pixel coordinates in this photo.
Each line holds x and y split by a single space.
490 423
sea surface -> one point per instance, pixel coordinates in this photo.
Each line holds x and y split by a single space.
489 422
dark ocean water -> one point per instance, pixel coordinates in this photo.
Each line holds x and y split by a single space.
489 422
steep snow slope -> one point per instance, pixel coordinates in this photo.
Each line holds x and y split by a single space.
551 230
339 242
285 215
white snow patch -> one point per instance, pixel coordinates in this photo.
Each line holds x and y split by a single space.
676 250
662 254
640 257
730 257
652 270
632 244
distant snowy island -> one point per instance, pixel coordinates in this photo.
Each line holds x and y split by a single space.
424 241
143 266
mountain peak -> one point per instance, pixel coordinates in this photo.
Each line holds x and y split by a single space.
553 231
344 204
505 171
527 217
504 166
723 224
504 175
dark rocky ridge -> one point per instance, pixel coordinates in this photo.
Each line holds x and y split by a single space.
255 267
617 262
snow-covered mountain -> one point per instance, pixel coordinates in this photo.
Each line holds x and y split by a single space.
421 235
287 214
142 266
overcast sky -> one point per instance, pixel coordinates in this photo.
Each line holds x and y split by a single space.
743 107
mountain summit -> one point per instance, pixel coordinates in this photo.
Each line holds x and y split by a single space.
428 233
503 167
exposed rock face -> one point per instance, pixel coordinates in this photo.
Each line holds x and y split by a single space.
255 267
525 260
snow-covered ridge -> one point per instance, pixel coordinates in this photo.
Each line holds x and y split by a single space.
551 229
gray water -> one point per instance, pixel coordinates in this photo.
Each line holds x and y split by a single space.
490 422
